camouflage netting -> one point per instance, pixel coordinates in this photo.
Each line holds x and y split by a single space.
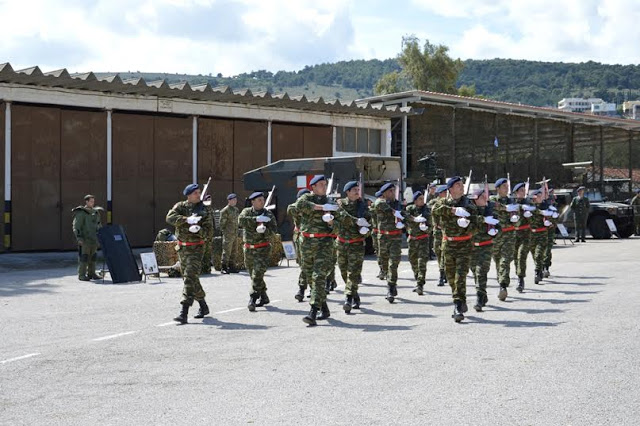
165 251
276 253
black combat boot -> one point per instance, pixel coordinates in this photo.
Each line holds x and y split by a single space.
538 278
382 275
464 308
443 278
502 294
348 304
457 311
520 287
252 302
264 299
327 286
232 269
203 311
391 293
419 289
324 312
184 313
225 269
481 301
300 294
334 285
356 301
311 318
545 273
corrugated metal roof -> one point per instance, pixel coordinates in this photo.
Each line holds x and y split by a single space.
113 84
434 98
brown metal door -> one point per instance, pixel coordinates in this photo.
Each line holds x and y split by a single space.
132 190
215 158
287 141
172 164
2 222
35 159
318 142
249 150
83 141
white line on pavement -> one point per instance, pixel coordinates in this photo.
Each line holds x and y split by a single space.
18 358
239 309
166 324
113 336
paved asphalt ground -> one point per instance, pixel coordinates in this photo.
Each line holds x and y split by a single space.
564 353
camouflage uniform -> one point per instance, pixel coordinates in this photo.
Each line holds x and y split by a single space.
437 235
374 236
580 207
551 237
191 246
293 212
257 248
418 241
86 223
522 243
389 240
505 241
208 243
635 203
539 239
481 256
230 240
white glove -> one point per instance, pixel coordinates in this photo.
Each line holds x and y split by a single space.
513 208
547 223
423 227
363 222
492 231
528 208
330 207
555 215
399 225
461 212
553 209
261 229
528 214
192 220
419 219
194 229
546 213
327 217
397 214
514 218
263 218
363 230
463 222
490 220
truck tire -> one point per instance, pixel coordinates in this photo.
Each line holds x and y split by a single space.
626 231
598 228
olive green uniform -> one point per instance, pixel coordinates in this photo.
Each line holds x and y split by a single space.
580 207
437 230
86 223
418 241
505 241
207 262
257 246
230 240
389 239
350 244
293 212
635 203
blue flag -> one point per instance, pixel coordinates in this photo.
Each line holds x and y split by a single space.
495 142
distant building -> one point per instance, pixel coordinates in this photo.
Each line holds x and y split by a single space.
631 109
595 106
604 108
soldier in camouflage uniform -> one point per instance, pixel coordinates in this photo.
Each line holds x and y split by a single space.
440 196
316 227
482 246
390 217
551 233
506 212
295 217
523 234
418 239
229 229
258 226
376 241
635 203
580 206
458 225
208 242
431 195
192 228
539 240
86 223
352 226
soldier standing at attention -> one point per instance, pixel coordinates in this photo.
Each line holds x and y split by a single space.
208 242
316 227
229 228
580 206
523 234
258 225
352 226
86 223
389 215
539 224
635 203
418 239
441 194
506 212
192 228
295 216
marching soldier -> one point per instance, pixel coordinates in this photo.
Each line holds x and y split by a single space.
539 228
374 236
192 228
352 226
523 234
551 233
86 223
635 203
258 225
229 227
389 215
316 227
580 206
418 239
430 195
295 216
440 196
503 248
208 242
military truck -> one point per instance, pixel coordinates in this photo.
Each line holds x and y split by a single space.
289 176
600 210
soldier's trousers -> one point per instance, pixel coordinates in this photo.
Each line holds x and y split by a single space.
636 222
437 247
523 240
87 259
206 257
581 227
539 241
419 251
389 256
551 236
257 261
350 259
376 247
302 279
229 248
191 265
480 265
334 260
317 263
457 260
503 248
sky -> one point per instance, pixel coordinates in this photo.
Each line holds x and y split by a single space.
236 36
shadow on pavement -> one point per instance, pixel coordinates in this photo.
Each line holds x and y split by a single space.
498 308
518 324
553 301
392 314
230 325
296 312
551 290
367 327
582 278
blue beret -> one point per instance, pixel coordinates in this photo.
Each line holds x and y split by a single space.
256 195
350 185
316 179
417 194
580 188
190 188
386 187
518 186
440 189
378 194
477 193
231 196
501 181
453 180
302 192
536 192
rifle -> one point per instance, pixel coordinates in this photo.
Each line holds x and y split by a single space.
526 189
489 208
205 190
508 185
267 203
467 184
332 192
362 204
